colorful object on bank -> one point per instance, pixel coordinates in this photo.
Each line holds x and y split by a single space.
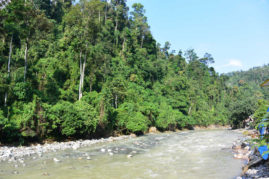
266 83
263 151
262 128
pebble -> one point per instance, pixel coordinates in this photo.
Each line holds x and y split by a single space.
45 174
56 160
15 172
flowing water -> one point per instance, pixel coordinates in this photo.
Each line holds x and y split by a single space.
191 154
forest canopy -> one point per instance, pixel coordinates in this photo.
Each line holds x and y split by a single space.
92 69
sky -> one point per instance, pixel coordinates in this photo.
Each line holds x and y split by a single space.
235 32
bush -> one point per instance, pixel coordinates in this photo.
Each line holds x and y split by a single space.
131 120
73 120
166 118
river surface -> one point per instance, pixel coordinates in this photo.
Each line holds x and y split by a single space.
191 154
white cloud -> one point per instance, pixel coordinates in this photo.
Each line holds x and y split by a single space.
234 63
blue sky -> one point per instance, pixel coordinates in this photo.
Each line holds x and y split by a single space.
235 32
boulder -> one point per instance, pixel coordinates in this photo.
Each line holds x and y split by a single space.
153 130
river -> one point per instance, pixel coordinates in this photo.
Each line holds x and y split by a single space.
191 154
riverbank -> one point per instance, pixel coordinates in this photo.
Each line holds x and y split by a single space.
256 167
188 154
14 154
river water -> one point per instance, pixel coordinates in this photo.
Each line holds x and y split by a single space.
191 154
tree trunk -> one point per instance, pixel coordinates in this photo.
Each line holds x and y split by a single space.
9 56
82 75
8 65
142 41
91 84
80 68
116 101
6 98
25 59
115 30
99 17
123 44
123 48
189 112
106 12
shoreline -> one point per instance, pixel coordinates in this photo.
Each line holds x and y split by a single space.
13 154
18 153
256 167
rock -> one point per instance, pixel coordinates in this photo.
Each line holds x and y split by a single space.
244 144
45 174
129 156
236 147
75 146
132 135
153 130
15 172
56 160
110 153
88 158
21 160
103 150
251 172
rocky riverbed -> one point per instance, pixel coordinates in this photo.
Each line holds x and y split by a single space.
17 154
255 166
190 154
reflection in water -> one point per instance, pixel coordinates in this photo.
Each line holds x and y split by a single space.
193 154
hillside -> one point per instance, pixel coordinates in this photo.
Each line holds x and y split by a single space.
93 69
252 77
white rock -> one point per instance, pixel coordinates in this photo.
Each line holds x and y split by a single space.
103 150
56 160
129 156
75 147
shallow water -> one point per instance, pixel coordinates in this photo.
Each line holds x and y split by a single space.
192 154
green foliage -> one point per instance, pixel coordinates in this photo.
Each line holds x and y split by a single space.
70 119
93 67
131 120
261 111
167 118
